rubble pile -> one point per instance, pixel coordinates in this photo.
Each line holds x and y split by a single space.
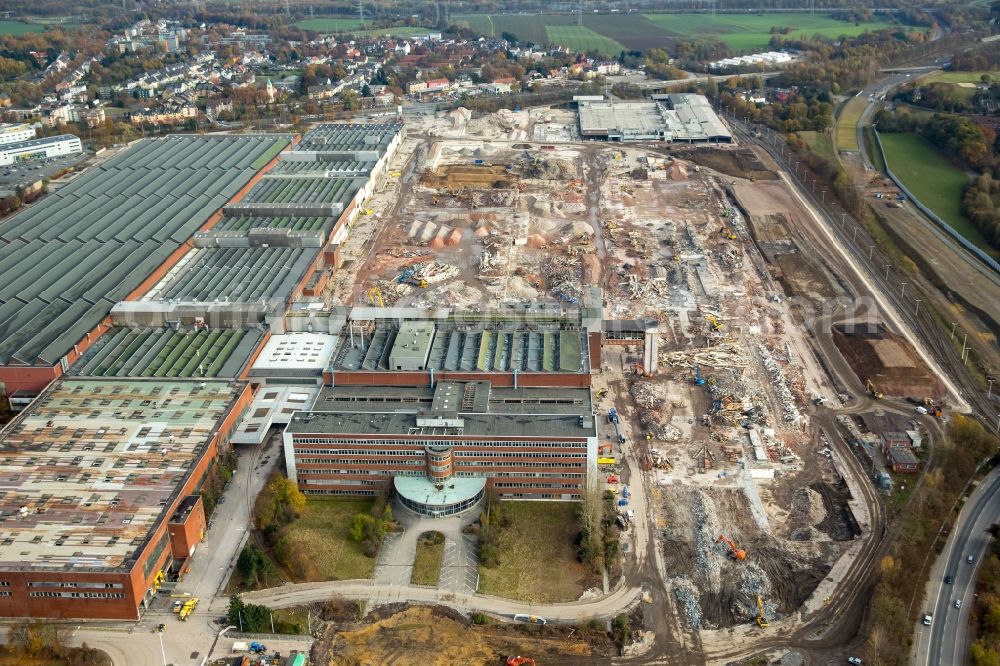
687 598
655 429
545 169
789 410
648 395
564 278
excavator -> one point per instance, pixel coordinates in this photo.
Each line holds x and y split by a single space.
714 321
375 297
878 395
761 620
519 661
737 554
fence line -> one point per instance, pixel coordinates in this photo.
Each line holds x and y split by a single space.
990 262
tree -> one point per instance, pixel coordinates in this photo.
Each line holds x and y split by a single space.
350 100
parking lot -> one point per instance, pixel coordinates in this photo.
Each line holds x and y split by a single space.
459 566
25 173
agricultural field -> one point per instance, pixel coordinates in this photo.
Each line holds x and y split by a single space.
929 175
743 32
847 122
583 39
325 25
19 28
746 32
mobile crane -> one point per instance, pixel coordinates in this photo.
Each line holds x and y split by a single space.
737 554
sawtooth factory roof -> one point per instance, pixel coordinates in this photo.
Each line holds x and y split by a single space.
68 259
240 275
349 138
168 352
245 223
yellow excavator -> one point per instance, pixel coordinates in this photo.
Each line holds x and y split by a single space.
375 297
878 395
714 321
761 620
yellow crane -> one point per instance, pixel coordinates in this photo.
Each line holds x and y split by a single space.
375 297
761 620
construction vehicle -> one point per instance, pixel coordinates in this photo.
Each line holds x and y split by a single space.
737 554
601 392
728 233
187 609
714 321
417 281
932 407
612 415
394 174
375 297
519 661
878 395
761 620
698 379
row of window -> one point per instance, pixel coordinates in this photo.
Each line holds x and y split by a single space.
519 454
361 452
517 463
366 472
397 442
507 484
328 491
357 461
79 595
40 583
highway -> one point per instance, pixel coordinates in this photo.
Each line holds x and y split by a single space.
946 640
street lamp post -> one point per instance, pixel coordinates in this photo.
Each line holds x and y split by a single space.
887 272
854 238
917 314
903 290
952 330
163 653
871 249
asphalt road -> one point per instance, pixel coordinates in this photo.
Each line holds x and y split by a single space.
946 640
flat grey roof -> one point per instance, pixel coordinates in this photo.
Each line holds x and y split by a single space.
31 143
483 410
68 259
93 466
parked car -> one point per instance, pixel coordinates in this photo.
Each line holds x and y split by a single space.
928 618
958 603
969 559
855 660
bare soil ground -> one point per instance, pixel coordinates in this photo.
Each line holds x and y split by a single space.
887 360
738 162
401 636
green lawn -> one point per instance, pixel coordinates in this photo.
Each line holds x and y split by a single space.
847 122
321 535
427 564
962 82
19 27
932 178
820 142
753 31
537 556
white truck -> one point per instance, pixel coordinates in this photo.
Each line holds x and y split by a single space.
241 646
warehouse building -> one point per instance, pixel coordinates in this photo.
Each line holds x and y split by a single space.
682 118
442 447
38 149
99 503
105 237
